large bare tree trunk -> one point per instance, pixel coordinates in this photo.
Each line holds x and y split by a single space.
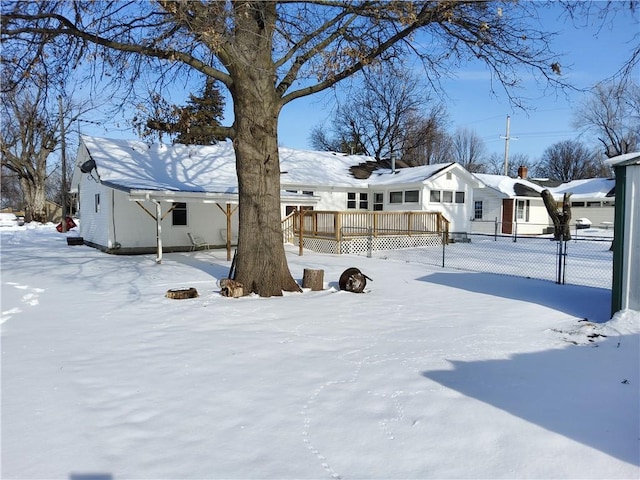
261 262
560 218
35 200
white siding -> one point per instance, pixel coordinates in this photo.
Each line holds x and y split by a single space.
536 224
94 226
458 214
132 227
491 210
135 228
538 218
597 215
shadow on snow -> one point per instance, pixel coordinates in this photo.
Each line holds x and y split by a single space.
591 303
557 390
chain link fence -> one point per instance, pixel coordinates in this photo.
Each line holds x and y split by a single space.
586 259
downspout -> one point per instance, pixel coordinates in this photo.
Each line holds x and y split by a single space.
158 231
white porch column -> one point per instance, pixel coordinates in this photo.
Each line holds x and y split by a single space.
158 231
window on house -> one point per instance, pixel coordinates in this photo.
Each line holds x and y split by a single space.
351 200
411 196
307 192
522 210
577 204
593 204
449 175
447 196
97 202
477 210
364 201
395 197
434 196
459 197
179 214
358 200
378 201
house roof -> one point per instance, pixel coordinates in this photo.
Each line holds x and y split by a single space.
586 189
133 165
510 187
590 188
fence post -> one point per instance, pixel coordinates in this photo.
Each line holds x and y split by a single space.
562 261
444 246
495 230
515 232
369 241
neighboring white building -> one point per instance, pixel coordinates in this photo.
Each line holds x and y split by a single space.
136 198
515 204
592 198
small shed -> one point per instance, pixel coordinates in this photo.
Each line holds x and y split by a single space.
626 244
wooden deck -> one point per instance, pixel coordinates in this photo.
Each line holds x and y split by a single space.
340 227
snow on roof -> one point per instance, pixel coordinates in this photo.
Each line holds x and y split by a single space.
136 165
587 188
632 158
512 187
406 175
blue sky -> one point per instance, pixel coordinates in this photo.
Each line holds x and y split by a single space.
591 54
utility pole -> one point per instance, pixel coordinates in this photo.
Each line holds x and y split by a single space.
64 167
507 137
506 148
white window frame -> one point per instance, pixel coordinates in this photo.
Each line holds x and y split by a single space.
396 197
478 207
417 194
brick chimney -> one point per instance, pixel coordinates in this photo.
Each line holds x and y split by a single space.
522 172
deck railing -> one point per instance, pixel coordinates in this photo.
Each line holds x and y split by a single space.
338 225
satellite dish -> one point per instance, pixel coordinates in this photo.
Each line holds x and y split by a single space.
88 166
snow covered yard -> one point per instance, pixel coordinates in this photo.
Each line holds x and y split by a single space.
430 374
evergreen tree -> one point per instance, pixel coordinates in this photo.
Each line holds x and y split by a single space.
190 124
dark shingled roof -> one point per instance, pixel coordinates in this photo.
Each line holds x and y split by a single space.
364 170
522 190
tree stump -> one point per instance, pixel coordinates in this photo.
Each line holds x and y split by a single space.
313 279
231 288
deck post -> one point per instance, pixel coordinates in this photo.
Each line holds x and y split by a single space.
300 227
375 224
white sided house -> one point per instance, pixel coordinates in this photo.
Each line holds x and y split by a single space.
509 206
354 183
139 198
